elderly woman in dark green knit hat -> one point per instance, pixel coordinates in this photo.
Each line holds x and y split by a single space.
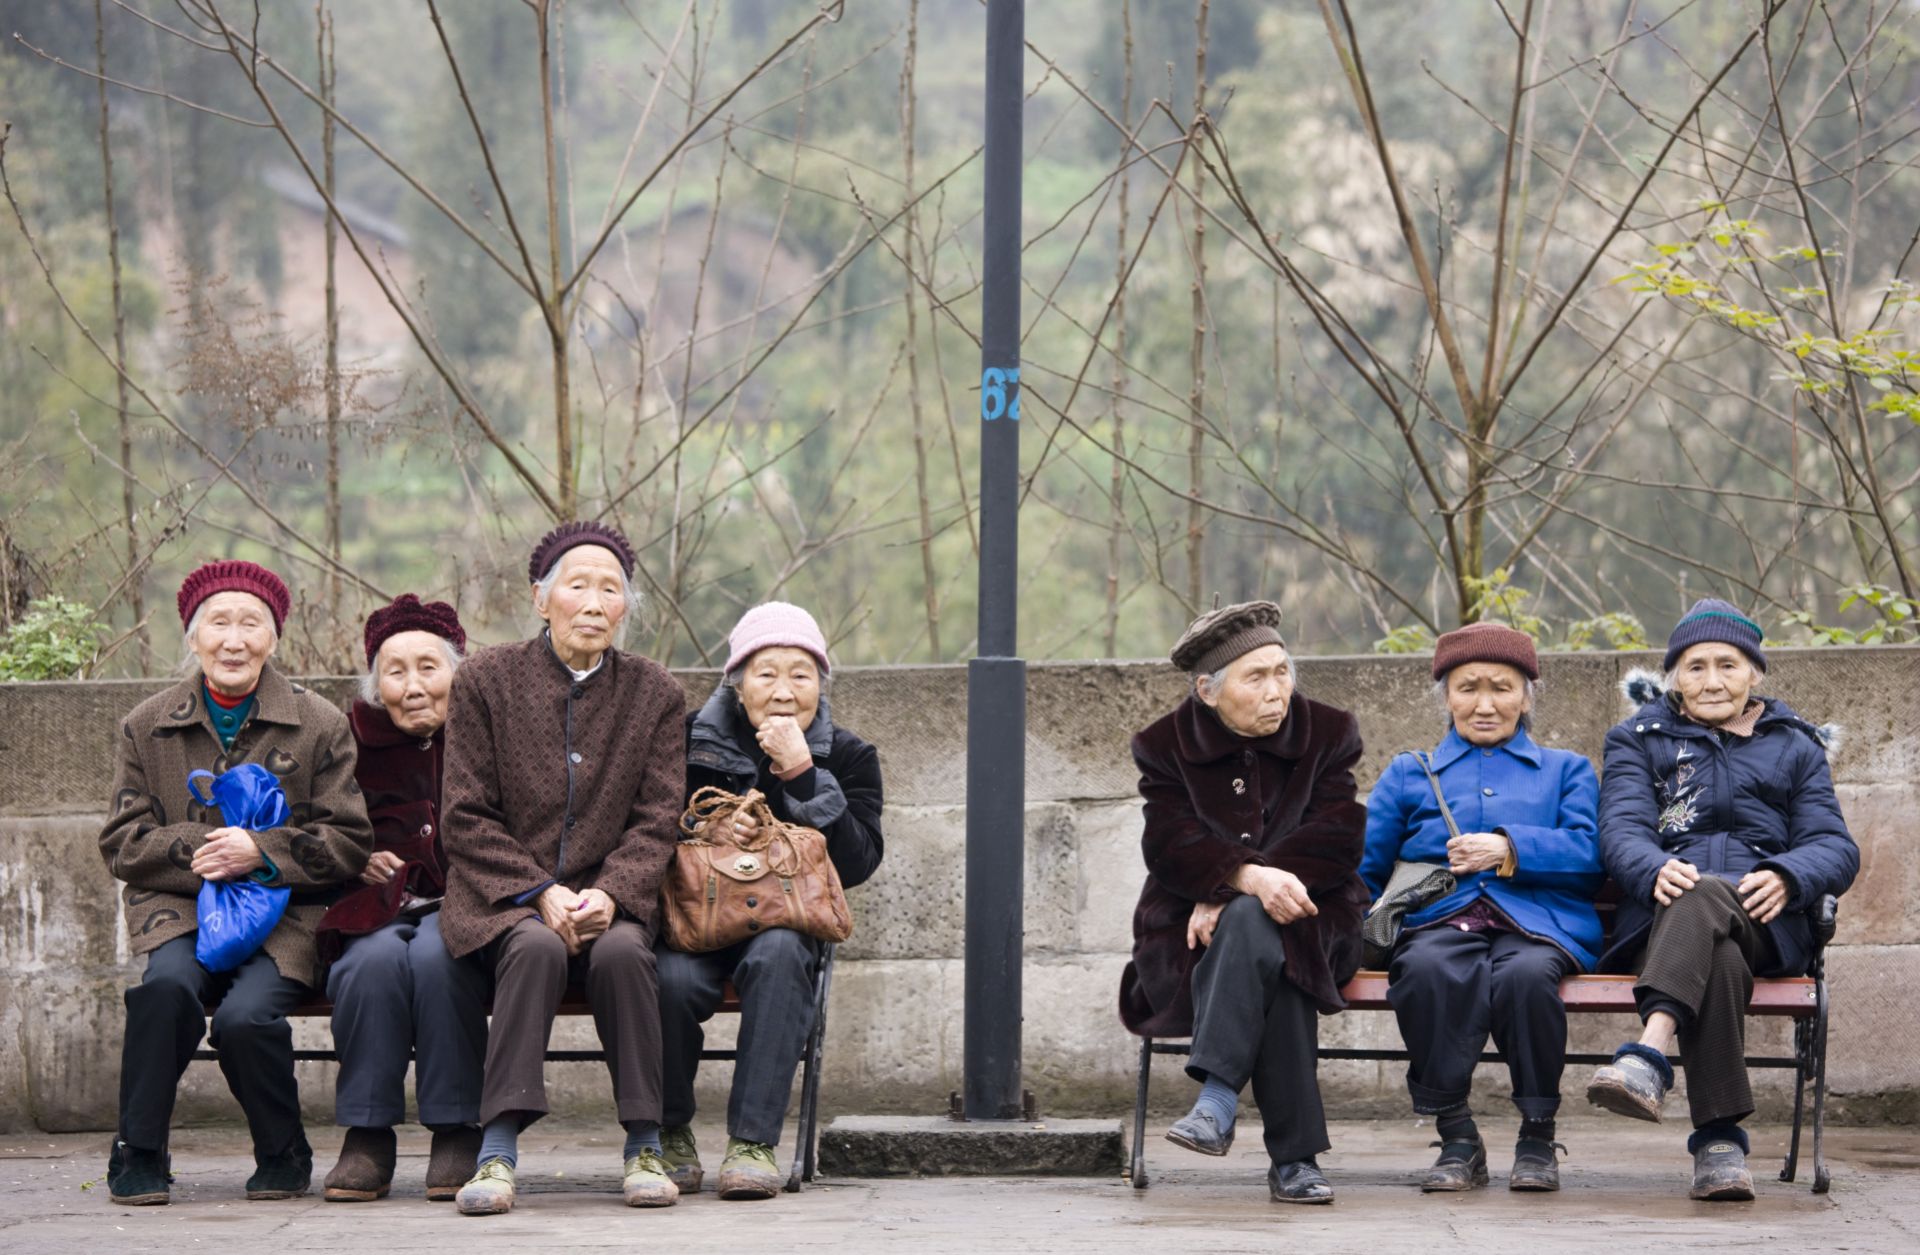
1719 823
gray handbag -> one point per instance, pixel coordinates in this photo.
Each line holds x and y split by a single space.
1411 886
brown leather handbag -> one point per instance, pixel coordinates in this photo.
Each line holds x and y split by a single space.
720 891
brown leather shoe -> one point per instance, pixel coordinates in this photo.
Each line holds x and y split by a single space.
364 1170
451 1162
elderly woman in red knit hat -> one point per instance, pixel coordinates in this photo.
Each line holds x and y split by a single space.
565 771
1513 823
396 991
766 727
234 707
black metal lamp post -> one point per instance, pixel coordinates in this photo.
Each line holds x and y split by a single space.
997 677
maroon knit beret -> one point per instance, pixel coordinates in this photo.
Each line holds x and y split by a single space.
407 613
568 535
234 576
1485 642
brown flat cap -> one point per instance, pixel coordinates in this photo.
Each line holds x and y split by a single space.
1219 636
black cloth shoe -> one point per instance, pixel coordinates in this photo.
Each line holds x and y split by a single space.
1298 1182
137 1178
1462 1166
1197 1131
1534 1166
288 1174
1720 1172
1631 1085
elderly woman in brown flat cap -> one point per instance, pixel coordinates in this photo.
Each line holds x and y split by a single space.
566 761
1250 920
397 994
233 708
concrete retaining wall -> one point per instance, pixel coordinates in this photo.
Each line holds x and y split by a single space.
893 1041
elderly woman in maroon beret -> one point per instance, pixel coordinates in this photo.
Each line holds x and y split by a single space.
566 758
396 991
1250 920
233 708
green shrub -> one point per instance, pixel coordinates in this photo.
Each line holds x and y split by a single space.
55 640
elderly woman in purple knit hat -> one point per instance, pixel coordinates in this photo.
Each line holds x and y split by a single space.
1486 955
766 727
566 763
1719 823
396 991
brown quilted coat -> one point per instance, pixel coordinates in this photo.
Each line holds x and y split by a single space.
552 779
155 825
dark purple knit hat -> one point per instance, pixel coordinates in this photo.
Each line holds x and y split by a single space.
567 536
407 613
1714 620
1485 642
235 576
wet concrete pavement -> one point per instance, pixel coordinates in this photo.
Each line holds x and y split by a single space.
1624 1192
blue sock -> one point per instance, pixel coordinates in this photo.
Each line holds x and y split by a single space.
500 1139
641 1135
1219 1100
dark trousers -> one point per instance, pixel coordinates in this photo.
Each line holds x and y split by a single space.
1699 965
773 974
165 1021
396 991
1250 1023
531 970
1451 988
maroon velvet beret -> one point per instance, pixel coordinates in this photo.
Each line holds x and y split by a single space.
1485 642
567 536
407 613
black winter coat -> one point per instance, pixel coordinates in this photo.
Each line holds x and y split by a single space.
840 796
1729 805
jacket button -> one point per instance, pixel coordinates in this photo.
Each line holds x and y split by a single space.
1486 753
574 757
578 690
1656 727
426 830
1247 837
569 821
1639 727
1488 792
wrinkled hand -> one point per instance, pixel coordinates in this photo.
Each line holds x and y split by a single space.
1675 878
382 866
741 828
1282 894
593 915
785 744
1200 924
1764 894
229 854
556 906
1477 852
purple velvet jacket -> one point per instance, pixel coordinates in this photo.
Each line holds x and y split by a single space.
1216 801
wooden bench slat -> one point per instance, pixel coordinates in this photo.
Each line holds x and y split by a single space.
1779 995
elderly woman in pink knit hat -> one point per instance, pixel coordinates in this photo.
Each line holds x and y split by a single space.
766 727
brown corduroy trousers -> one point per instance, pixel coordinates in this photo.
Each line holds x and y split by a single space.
531 971
1699 965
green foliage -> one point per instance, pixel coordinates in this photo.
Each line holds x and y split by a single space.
1899 619
55 640
1496 599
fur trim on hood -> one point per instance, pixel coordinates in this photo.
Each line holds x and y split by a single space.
1642 686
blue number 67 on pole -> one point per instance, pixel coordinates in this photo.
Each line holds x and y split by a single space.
1000 393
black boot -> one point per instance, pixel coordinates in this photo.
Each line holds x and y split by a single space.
137 1178
288 1174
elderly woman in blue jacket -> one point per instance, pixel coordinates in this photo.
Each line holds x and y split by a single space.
1719 822
1488 957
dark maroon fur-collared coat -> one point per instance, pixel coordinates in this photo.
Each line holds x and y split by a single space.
400 776
1294 809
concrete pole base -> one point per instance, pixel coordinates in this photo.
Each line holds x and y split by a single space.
935 1146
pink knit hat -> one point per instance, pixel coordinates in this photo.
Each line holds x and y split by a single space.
775 623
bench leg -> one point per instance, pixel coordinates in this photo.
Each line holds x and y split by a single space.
1802 1072
1821 1180
1137 1169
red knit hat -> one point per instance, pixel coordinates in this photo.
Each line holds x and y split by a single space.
1485 642
407 613
567 536
234 576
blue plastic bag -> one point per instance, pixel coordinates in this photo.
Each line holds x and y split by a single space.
236 915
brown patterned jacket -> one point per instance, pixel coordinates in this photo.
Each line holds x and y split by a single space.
155 825
551 779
